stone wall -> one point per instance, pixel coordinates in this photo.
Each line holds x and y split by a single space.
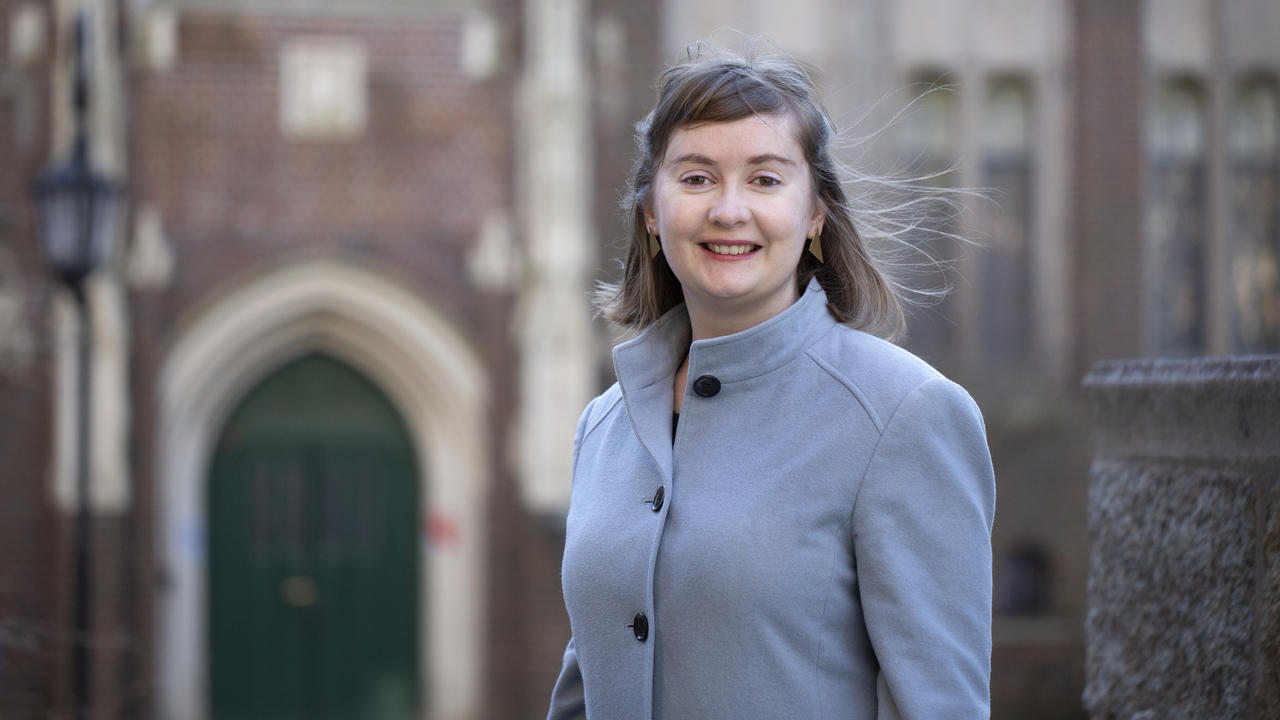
1184 517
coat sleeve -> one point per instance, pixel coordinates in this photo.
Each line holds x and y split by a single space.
568 701
922 544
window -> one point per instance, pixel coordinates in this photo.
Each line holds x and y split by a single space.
928 144
1176 226
1253 177
1022 581
1004 287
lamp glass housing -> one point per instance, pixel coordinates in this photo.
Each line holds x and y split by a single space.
78 217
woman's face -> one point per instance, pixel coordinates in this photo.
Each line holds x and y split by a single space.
734 206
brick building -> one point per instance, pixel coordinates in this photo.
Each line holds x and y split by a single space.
29 524
321 197
371 227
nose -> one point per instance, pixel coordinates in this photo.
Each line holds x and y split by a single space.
730 208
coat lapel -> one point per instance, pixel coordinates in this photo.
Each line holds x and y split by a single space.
646 367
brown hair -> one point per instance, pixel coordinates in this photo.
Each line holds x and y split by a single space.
719 86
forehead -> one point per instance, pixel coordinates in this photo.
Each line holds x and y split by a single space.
748 137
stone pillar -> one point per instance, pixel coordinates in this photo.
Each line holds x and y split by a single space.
553 322
1184 516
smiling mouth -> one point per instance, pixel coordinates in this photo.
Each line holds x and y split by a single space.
735 249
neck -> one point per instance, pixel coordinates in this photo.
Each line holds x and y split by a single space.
710 321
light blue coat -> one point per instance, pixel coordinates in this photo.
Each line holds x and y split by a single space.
822 548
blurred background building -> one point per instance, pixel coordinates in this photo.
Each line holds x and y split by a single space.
341 344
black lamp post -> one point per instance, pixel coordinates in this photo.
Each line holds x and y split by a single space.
78 219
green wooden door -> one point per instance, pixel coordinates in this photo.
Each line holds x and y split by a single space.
313 552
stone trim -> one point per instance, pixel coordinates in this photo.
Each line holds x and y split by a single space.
1211 408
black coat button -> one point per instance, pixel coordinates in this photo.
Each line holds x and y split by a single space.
706 385
656 501
640 626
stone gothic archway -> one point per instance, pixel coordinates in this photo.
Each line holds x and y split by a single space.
429 372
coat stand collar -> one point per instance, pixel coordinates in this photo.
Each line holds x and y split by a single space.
646 365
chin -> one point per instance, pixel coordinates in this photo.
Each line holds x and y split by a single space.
730 285
727 292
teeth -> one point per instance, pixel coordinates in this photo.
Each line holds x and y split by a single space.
730 249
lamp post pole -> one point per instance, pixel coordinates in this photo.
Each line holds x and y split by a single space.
78 212
84 519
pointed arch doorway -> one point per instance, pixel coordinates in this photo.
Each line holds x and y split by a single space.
313 567
384 330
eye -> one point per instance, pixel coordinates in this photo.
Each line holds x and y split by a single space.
767 181
695 180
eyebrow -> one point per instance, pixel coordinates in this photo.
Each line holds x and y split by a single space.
698 159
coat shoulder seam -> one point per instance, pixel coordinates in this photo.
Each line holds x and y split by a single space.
851 387
602 413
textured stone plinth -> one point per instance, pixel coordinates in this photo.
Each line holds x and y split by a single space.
1184 517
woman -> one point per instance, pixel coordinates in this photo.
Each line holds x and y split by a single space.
775 514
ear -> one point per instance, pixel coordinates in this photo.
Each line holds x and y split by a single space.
819 217
650 222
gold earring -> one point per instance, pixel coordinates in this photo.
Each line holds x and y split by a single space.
654 246
815 247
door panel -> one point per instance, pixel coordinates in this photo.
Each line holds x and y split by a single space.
313 563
